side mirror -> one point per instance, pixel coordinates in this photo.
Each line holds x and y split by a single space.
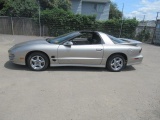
68 43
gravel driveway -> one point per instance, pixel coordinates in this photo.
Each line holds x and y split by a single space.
79 93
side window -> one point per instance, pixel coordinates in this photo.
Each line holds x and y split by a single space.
87 39
83 39
96 39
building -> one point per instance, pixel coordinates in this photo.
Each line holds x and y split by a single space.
157 33
147 25
100 8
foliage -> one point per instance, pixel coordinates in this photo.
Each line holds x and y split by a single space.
144 35
59 21
113 27
114 12
29 8
56 15
50 4
23 8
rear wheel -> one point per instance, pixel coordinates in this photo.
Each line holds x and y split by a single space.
37 61
116 63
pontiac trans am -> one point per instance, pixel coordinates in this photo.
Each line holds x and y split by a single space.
81 48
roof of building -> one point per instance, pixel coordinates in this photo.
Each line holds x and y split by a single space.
97 1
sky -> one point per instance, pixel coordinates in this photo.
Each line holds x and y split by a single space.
139 8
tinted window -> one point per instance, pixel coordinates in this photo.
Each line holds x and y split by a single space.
115 40
62 38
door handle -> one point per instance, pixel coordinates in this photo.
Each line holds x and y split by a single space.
99 49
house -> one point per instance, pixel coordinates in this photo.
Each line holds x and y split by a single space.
100 8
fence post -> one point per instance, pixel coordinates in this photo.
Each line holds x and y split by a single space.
39 19
12 26
43 29
23 26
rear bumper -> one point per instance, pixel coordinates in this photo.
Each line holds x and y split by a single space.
135 60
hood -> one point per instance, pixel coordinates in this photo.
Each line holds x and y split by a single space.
33 42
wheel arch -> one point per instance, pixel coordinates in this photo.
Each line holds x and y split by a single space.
29 53
124 55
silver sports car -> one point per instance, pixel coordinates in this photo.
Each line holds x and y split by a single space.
82 48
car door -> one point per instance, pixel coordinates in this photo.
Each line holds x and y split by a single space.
80 54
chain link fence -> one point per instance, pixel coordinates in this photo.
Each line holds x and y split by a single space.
27 26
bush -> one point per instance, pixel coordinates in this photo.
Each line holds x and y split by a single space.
60 21
144 35
113 27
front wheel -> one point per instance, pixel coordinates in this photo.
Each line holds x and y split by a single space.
116 63
37 61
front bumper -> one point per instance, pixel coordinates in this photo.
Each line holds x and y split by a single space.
16 59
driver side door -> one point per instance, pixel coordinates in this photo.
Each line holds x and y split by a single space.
82 53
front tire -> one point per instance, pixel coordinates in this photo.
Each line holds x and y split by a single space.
116 63
37 61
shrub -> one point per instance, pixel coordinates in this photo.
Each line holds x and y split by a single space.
60 21
113 27
144 35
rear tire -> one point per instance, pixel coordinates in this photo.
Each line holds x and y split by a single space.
116 63
37 61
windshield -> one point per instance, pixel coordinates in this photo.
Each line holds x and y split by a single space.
116 40
62 38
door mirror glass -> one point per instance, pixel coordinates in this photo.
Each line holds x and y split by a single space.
68 43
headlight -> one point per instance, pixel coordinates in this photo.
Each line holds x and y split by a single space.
11 57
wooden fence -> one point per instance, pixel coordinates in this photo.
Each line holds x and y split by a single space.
21 26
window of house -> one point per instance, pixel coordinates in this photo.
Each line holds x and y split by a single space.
158 26
99 7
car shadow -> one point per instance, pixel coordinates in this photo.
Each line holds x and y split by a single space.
129 68
12 66
76 69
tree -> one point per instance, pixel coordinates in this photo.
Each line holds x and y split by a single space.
19 8
114 12
29 8
50 4
64 4
1 4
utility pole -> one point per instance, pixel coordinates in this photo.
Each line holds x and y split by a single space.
144 17
155 28
121 22
144 22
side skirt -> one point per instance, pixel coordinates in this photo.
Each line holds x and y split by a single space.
76 65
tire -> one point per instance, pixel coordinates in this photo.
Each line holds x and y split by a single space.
116 63
37 61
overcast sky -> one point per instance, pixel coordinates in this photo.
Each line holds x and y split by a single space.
139 8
